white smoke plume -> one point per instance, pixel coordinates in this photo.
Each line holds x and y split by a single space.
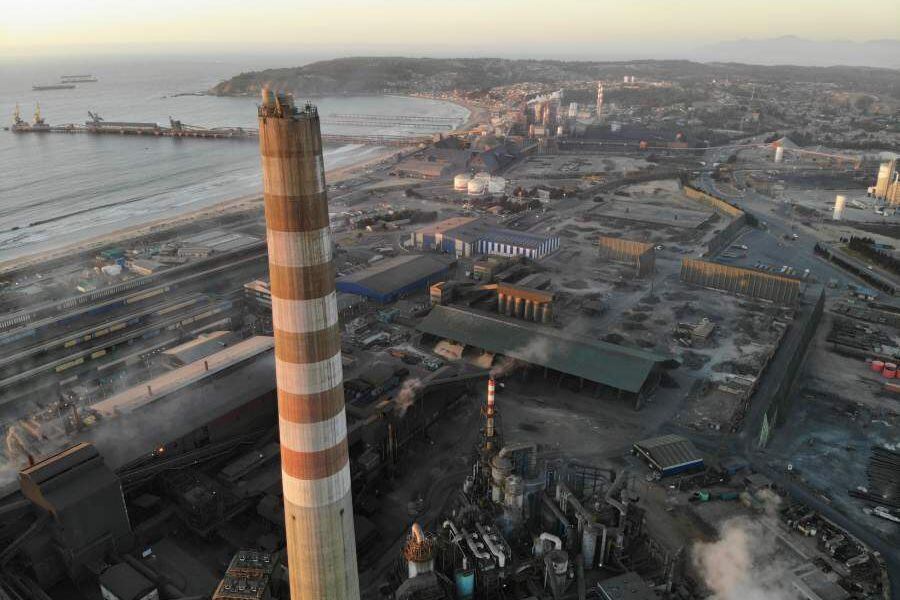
536 351
742 563
406 396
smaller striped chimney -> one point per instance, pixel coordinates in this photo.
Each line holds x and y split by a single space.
489 414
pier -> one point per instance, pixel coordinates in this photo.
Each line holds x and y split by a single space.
176 129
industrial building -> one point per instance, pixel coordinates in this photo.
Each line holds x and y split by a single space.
81 497
393 278
199 348
631 252
494 160
669 454
887 184
627 371
468 236
258 296
214 242
741 281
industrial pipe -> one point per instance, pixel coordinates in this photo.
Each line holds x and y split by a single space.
501 557
520 446
473 548
554 539
613 488
448 524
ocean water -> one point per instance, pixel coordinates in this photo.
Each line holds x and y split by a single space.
58 189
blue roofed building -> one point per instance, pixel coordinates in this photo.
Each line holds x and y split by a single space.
469 236
393 278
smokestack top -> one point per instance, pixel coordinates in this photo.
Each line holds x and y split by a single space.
281 105
419 546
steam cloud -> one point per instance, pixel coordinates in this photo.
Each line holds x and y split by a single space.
407 394
742 564
536 351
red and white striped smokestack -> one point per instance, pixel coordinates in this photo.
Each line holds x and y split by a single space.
599 98
315 468
489 411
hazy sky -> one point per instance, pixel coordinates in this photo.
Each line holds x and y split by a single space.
464 27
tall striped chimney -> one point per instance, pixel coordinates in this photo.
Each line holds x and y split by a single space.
315 469
489 414
599 98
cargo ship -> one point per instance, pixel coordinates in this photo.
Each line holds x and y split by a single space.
77 79
55 86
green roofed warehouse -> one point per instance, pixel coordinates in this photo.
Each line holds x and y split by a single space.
632 373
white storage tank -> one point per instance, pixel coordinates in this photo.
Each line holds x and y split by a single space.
515 493
461 182
496 186
779 154
839 202
475 187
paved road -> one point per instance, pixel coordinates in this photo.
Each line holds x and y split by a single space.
769 246
889 552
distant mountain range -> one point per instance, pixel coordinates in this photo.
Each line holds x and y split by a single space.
791 50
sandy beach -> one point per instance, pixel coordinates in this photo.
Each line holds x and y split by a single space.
228 207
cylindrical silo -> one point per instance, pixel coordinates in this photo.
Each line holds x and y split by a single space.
461 182
514 493
779 154
882 182
496 185
475 187
839 202
588 545
315 467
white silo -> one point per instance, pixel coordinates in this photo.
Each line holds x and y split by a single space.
839 202
461 182
496 186
475 187
779 154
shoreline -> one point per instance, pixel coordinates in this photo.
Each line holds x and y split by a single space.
223 208
232 206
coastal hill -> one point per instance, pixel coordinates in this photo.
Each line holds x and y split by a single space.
404 75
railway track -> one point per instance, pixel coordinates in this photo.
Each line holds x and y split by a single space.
48 312
100 350
100 330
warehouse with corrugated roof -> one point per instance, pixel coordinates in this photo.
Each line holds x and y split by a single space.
393 278
469 236
631 372
669 454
